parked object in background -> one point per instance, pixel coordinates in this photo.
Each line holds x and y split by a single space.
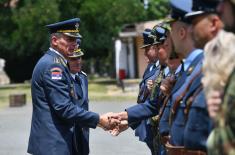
17 100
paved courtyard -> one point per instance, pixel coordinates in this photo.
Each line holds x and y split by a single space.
15 126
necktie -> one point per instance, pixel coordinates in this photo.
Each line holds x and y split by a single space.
77 79
78 86
152 67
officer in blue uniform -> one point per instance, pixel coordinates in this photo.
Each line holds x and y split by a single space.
145 110
144 129
80 97
198 125
150 107
192 69
54 111
177 13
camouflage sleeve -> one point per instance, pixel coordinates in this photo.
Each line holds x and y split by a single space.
228 105
222 138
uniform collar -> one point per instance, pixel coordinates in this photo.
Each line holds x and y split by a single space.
167 71
191 57
53 50
179 68
73 75
155 64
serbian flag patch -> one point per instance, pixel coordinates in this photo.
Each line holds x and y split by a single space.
56 73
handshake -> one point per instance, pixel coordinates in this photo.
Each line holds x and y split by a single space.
115 123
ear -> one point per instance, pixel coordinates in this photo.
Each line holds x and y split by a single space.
215 24
182 33
54 40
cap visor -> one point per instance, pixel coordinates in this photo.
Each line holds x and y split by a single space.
75 35
156 43
144 46
76 55
193 14
168 20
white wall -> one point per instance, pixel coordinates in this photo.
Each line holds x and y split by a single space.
124 56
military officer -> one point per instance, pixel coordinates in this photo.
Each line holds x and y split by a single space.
54 111
143 131
205 25
184 47
80 97
151 107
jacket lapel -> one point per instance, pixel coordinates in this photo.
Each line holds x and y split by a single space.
83 90
184 75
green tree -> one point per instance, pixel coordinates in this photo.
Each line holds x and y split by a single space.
24 37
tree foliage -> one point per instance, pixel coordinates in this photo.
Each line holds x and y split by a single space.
24 38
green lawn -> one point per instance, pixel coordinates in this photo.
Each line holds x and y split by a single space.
99 90
5 92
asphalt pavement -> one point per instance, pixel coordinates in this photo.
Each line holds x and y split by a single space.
15 127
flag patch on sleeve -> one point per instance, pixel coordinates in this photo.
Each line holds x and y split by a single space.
56 73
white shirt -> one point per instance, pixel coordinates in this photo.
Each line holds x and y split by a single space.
156 64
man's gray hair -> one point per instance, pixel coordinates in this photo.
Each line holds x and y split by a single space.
58 35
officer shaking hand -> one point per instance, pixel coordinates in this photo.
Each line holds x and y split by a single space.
54 111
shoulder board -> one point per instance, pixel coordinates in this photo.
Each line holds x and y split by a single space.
56 60
59 60
83 73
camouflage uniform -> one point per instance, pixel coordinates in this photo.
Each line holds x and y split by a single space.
222 139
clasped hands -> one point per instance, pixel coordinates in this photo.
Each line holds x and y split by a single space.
115 123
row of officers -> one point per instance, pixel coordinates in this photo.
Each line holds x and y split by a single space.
186 100
187 87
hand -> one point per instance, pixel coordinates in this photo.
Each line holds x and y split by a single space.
109 121
150 85
122 115
214 104
167 85
120 128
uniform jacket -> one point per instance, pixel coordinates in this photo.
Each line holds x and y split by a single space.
142 111
54 112
178 121
143 131
164 126
81 134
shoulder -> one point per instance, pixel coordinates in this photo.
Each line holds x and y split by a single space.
55 67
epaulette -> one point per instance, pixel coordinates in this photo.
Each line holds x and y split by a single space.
83 73
59 60
56 60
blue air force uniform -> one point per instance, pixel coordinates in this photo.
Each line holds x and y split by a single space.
178 119
81 133
198 125
143 130
80 97
54 110
149 107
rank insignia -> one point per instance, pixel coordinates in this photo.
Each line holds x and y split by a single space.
190 70
56 73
